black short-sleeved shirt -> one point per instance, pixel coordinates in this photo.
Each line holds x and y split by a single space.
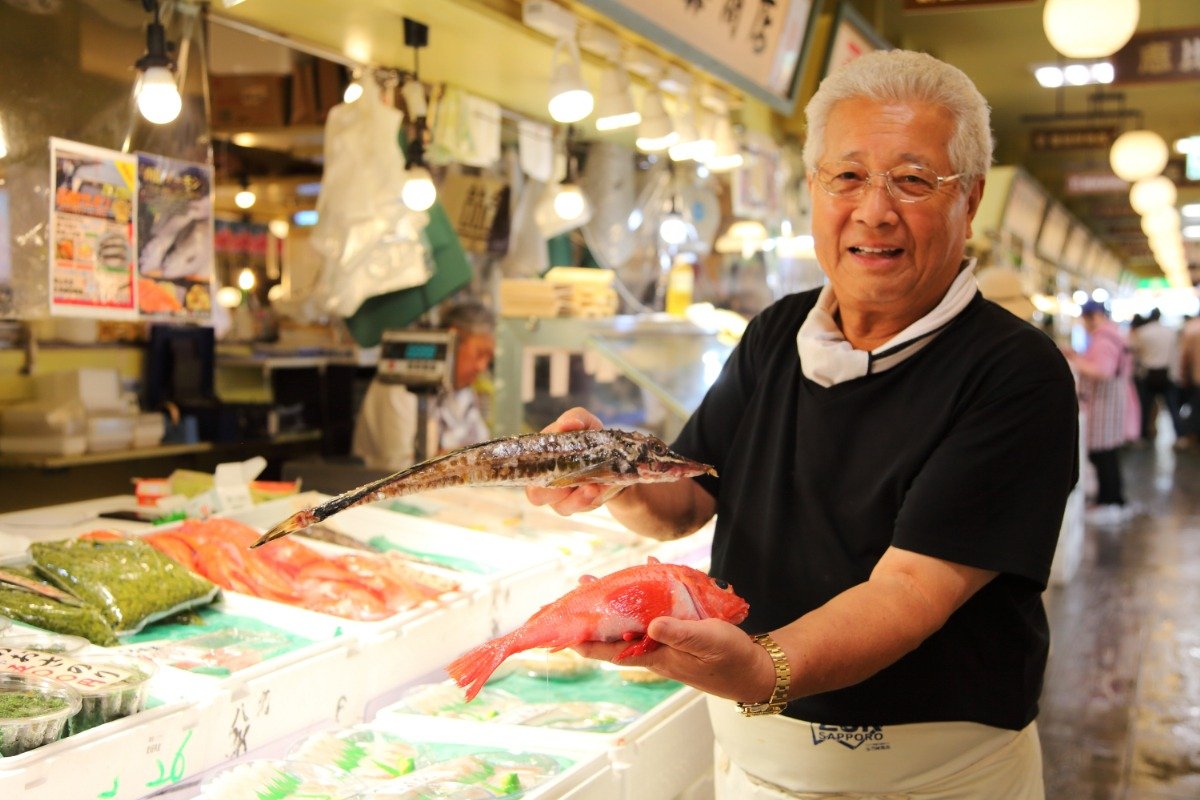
966 451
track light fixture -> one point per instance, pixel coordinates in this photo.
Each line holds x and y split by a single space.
245 198
570 203
157 95
570 100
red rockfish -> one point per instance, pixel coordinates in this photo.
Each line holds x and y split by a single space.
573 458
617 606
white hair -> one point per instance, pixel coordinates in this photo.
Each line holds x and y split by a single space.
907 76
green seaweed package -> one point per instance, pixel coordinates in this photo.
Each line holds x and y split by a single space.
34 609
128 580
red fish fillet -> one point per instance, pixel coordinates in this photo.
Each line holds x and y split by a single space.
617 606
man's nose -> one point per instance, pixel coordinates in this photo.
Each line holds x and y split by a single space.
876 205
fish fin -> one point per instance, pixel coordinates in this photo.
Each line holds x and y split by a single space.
638 648
652 560
585 579
596 473
472 669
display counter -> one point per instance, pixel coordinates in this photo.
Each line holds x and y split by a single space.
316 674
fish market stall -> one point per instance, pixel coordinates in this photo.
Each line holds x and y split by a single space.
259 672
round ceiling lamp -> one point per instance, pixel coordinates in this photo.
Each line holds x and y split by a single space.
1138 154
1089 28
1150 193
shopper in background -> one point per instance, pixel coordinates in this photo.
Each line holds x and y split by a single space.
1154 355
893 453
1104 369
1189 380
385 429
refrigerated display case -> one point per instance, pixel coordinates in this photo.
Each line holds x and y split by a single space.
647 372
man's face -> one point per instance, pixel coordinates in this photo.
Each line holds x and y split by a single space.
882 255
472 357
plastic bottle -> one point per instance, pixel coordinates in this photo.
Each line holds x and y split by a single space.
680 283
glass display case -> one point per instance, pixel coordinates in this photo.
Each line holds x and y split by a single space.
647 372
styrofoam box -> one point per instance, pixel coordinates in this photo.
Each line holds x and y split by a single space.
43 419
126 758
49 445
657 756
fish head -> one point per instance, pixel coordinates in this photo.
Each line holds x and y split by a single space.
657 462
714 597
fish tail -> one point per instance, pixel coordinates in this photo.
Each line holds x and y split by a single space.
472 669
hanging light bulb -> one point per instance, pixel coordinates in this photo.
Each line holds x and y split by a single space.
354 90
3 141
673 229
279 228
615 108
1089 28
569 202
246 279
1138 154
245 198
656 132
158 97
229 297
570 100
418 192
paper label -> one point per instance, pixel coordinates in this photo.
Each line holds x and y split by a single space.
79 672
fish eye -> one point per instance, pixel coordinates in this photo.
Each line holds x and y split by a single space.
720 584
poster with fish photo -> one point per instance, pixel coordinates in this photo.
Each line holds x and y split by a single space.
92 237
175 238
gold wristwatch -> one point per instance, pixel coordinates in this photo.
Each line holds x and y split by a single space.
783 680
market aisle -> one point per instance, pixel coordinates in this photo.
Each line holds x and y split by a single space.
1121 709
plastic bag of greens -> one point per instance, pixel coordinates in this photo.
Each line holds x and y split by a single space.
34 609
128 580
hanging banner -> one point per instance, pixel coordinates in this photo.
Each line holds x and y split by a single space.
1156 56
1052 139
758 45
92 237
175 238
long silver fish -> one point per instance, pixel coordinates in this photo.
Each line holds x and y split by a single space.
555 460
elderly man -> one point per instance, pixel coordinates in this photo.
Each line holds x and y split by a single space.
894 455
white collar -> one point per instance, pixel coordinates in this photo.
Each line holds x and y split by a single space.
826 358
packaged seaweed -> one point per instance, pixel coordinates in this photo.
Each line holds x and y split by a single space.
128 580
52 615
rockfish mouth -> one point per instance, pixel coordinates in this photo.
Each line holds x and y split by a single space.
555 460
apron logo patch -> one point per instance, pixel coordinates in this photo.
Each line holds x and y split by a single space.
850 736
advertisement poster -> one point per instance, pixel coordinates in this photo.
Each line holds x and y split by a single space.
174 238
92 246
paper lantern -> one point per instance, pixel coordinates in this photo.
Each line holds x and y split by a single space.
1138 154
1148 194
1089 28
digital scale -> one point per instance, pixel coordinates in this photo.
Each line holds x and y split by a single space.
423 362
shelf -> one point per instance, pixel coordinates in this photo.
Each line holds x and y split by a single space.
26 461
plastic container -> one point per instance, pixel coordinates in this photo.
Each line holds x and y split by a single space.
62 644
51 445
25 731
115 700
105 433
279 778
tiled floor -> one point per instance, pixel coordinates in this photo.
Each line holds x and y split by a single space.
1120 713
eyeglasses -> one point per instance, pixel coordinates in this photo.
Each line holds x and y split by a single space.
908 183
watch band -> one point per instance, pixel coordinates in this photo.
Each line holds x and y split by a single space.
783 681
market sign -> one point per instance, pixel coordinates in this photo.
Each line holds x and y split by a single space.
1078 183
1155 56
924 5
758 47
1052 139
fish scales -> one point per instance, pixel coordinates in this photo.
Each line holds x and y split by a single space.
571 458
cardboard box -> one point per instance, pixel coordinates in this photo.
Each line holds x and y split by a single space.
249 101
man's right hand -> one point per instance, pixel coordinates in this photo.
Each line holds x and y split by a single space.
577 498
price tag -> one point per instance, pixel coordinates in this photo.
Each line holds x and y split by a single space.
78 672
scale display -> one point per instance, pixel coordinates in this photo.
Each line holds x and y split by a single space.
418 359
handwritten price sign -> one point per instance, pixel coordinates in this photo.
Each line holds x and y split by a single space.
85 676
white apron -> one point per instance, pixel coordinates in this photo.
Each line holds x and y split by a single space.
779 758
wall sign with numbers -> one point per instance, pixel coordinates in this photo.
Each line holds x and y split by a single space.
757 45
